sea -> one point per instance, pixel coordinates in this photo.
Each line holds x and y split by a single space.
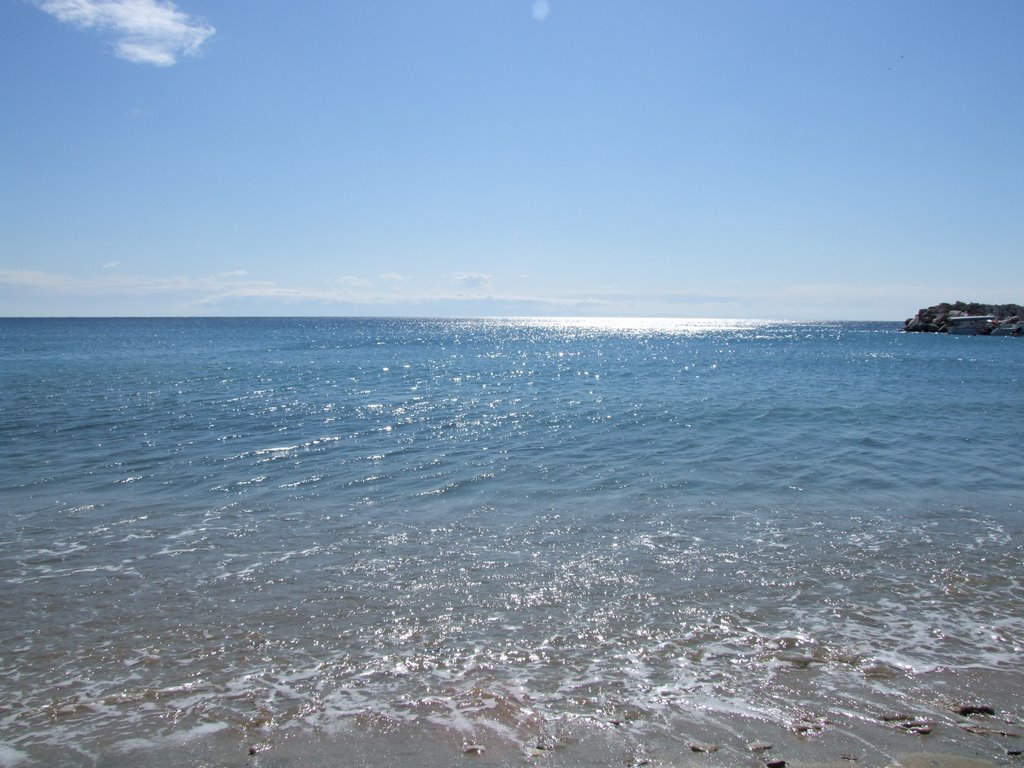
526 541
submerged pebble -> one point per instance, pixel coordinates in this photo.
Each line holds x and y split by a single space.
917 726
968 710
700 747
892 717
805 728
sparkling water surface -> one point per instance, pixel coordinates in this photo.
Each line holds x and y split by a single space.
524 535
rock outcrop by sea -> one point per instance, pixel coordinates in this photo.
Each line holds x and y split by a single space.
935 319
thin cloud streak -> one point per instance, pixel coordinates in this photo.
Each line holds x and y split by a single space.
475 283
58 283
144 31
207 290
235 291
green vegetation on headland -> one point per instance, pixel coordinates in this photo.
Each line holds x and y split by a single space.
935 319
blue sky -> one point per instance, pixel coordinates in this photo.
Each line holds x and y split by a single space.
754 159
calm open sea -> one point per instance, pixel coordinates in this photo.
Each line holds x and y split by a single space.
285 542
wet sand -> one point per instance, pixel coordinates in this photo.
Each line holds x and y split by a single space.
984 742
812 729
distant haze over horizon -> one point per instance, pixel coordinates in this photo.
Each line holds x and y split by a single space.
581 320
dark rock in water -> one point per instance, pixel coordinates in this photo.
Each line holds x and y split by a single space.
935 319
1014 320
698 747
775 764
880 669
546 745
984 730
907 723
805 728
920 727
967 710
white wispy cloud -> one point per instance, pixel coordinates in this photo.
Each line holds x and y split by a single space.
144 31
352 281
203 289
461 294
33 278
541 9
475 282
119 284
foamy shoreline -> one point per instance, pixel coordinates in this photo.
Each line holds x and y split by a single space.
983 742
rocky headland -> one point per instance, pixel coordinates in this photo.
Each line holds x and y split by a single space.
936 319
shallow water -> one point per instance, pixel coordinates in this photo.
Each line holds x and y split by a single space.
560 540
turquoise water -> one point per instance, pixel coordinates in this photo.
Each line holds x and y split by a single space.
267 534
